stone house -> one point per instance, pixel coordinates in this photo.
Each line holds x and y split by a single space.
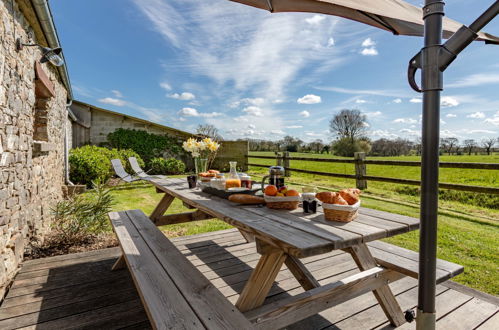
35 129
93 124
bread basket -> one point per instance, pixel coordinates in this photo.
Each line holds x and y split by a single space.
340 213
282 203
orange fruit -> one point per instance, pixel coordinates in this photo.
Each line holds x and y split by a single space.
271 190
292 192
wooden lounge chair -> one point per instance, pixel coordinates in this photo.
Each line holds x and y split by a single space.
140 172
120 171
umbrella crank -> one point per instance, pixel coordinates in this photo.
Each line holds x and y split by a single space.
433 59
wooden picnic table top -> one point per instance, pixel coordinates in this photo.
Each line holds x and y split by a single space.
296 233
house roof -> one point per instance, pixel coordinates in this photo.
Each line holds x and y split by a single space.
93 107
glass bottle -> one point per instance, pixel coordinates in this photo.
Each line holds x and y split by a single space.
233 180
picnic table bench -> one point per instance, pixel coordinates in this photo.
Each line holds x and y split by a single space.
163 276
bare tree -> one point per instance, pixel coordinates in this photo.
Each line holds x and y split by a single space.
469 145
209 131
351 124
448 144
488 144
316 146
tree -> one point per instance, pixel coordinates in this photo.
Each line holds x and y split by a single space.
209 131
316 146
290 143
488 144
469 145
350 124
448 144
386 147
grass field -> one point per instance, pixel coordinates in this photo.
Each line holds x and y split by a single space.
479 204
464 239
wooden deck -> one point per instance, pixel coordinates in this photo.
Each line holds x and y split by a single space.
80 291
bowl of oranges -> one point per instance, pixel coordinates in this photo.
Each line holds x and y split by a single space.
281 198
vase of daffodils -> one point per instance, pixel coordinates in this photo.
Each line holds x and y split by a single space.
203 151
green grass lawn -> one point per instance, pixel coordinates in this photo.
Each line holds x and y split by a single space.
467 240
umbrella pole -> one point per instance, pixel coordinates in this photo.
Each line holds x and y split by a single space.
432 85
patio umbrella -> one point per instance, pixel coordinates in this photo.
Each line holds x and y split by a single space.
398 17
402 18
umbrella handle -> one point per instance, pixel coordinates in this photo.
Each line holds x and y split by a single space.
414 65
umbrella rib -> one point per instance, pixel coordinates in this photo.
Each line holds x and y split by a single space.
269 3
378 20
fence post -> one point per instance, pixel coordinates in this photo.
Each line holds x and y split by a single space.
287 173
360 170
278 159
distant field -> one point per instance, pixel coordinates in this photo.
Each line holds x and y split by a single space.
472 201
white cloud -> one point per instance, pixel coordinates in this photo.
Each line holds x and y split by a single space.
448 101
405 121
397 100
305 114
416 100
374 114
315 20
476 115
112 101
380 92
383 134
294 126
476 79
330 42
313 134
368 43
309 99
251 126
360 101
371 51
448 133
166 86
117 93
253 111
494 120
467 131
185 96
277 132
191 112
410 132
442 122
450 115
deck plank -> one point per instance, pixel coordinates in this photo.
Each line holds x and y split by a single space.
96 300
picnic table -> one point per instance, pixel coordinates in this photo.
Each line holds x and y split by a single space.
284 237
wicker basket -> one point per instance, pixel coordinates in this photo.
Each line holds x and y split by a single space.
340 213
282 203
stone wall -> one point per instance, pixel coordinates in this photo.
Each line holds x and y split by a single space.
232 151
31 177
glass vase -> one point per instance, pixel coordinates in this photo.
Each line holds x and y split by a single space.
200 164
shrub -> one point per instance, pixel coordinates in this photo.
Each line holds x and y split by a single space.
147 145
346 147
93 164
82 215
166 166
89 164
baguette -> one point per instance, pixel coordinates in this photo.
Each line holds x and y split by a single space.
246 199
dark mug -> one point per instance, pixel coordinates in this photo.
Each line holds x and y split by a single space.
192 180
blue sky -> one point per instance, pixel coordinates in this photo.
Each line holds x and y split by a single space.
254 74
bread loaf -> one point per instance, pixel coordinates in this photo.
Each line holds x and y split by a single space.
326 197
246 199
351 196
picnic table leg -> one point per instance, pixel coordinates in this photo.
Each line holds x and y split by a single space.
301 273
384 294
119 264
247 236
161 208
258 286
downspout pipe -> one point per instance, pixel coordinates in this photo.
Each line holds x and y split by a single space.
44 16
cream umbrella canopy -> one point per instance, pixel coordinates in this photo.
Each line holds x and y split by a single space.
402 18
398 17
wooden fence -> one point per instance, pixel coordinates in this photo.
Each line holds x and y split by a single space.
283 159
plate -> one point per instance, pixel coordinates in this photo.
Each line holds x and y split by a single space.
237 189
